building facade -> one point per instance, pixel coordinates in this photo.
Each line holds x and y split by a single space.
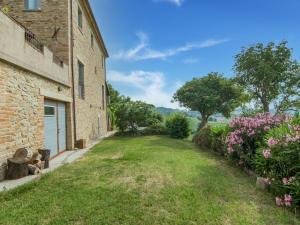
52 76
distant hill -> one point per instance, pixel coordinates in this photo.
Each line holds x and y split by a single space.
168 111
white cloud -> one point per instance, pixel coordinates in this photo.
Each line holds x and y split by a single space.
150 86
175 2
143 51
190 60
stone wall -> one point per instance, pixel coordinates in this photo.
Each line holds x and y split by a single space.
55 14
89 109
22 110
52 17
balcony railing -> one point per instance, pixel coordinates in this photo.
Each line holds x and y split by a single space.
33 40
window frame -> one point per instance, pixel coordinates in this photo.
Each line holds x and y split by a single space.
103 97
81 86
52 108
92 40
103 62
37 3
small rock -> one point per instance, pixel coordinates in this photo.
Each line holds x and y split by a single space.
261 183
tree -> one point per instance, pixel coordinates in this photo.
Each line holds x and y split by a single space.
114 100
114 95
210 95
130 115
270 75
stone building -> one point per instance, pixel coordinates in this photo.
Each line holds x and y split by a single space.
52 76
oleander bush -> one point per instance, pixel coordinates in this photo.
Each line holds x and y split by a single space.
266 144
246 135
278 161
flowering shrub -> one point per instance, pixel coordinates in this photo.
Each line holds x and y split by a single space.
268 144
278 160
246 134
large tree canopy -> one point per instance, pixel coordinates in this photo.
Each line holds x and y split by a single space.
128 115
270 75
210 95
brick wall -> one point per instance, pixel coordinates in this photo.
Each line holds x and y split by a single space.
89 109
22 110
53 16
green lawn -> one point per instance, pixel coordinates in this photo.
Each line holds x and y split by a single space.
148 180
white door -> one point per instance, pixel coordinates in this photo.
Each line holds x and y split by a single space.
62 140
55 127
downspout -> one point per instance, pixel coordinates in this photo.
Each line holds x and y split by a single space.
72 70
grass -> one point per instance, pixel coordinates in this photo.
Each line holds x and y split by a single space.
147 181
217 124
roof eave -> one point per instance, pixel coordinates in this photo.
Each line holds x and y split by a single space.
94 22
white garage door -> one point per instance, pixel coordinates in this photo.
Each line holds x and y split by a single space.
55 127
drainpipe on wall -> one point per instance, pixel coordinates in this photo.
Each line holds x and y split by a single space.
72 70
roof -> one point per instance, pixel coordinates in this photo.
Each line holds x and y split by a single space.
88 8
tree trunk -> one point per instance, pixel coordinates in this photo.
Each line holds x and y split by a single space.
21 153
203 123
17 168
265 103
45 157
34 170
266 107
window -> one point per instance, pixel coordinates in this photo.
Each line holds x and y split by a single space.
103 62
103 96
79 18
32 4
81 80
92 40
49 110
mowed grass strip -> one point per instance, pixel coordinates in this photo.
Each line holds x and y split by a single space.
145 180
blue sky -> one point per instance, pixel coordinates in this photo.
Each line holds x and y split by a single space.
155 46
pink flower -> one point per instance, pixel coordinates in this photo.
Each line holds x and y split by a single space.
267 128
278 201
288 200
267 153
251 133
285 181
272 142
292 179
230 149
268 181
